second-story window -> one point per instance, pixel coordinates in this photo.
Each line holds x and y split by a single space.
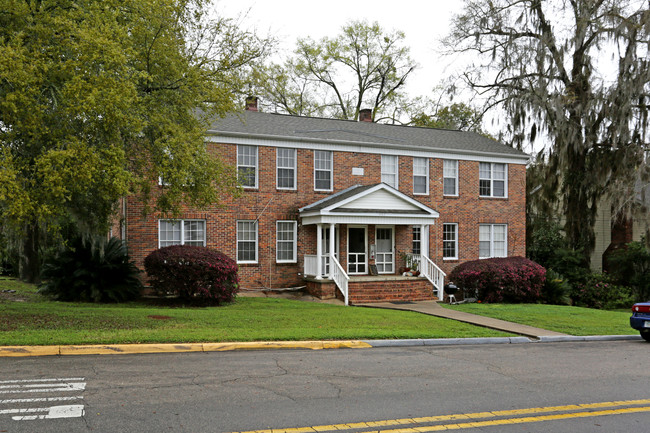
389 171
450 177
286 163
247 166
322 170
421 176
492 179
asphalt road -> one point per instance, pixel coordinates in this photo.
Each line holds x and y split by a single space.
382 388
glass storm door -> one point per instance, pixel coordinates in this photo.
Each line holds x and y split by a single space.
385 259
357 252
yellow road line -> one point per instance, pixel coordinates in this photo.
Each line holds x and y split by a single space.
472 416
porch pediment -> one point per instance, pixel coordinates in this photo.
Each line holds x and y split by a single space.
368 204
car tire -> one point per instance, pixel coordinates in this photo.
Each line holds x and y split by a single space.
645 334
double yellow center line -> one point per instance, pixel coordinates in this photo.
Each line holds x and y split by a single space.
480 419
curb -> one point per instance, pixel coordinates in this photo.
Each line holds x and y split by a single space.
130 349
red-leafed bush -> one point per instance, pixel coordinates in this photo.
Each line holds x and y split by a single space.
193 273
509 279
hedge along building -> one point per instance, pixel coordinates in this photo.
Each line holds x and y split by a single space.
379 197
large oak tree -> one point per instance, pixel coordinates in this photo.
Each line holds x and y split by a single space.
100 98
577 73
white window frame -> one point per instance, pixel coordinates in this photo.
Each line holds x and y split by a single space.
293 167
256 225
330 169
182 231
455 241
447 175
416 232
255 167
387 163
491 236
294 241
425 175
491 179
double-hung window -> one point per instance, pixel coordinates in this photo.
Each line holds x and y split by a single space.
286 168
322 170
286 250
181 232
450 241
247 166
493 240
492 179
421 176
417 240
246 241
449 177
389 170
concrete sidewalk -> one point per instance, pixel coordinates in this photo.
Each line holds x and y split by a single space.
432 308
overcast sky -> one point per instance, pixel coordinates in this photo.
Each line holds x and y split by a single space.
424 22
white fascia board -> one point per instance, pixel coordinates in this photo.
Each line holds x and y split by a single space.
369 191
329 197
368 219
373 148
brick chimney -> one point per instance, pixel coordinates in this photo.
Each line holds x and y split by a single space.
365 115
251 103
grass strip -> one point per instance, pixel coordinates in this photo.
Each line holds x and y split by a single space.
560 318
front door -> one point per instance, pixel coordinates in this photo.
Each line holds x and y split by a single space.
385 250
357 251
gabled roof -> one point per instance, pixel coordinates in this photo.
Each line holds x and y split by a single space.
368 204
253 124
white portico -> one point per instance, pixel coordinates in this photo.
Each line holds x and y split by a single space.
362 221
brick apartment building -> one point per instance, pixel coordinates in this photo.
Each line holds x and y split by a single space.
379 196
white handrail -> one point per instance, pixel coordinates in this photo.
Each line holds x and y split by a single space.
340 277
434 274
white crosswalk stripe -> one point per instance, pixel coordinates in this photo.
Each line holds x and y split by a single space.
19 408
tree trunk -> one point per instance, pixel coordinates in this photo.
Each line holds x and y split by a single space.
30 260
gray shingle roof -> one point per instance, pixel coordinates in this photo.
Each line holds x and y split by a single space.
312 129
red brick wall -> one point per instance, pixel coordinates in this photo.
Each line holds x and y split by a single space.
271 205
411 289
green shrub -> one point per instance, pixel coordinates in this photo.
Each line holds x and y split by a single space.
556 289
193 273
631 267
508 279
600 291
91 274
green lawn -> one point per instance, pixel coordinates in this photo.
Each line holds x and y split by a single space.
27 318
560 318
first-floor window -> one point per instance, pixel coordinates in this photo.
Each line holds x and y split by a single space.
450 241
247 241
417 240
493 240
181 232
286 242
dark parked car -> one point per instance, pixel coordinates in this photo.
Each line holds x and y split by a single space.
640 319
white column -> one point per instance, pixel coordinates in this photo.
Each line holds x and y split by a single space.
319 249
332 250
424 240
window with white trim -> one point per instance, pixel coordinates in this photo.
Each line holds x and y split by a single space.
450 177
450 241
420 176
492 179
247 165
417 240
493 240
322 170
181 232
246 241
286 168
389 170
286 236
